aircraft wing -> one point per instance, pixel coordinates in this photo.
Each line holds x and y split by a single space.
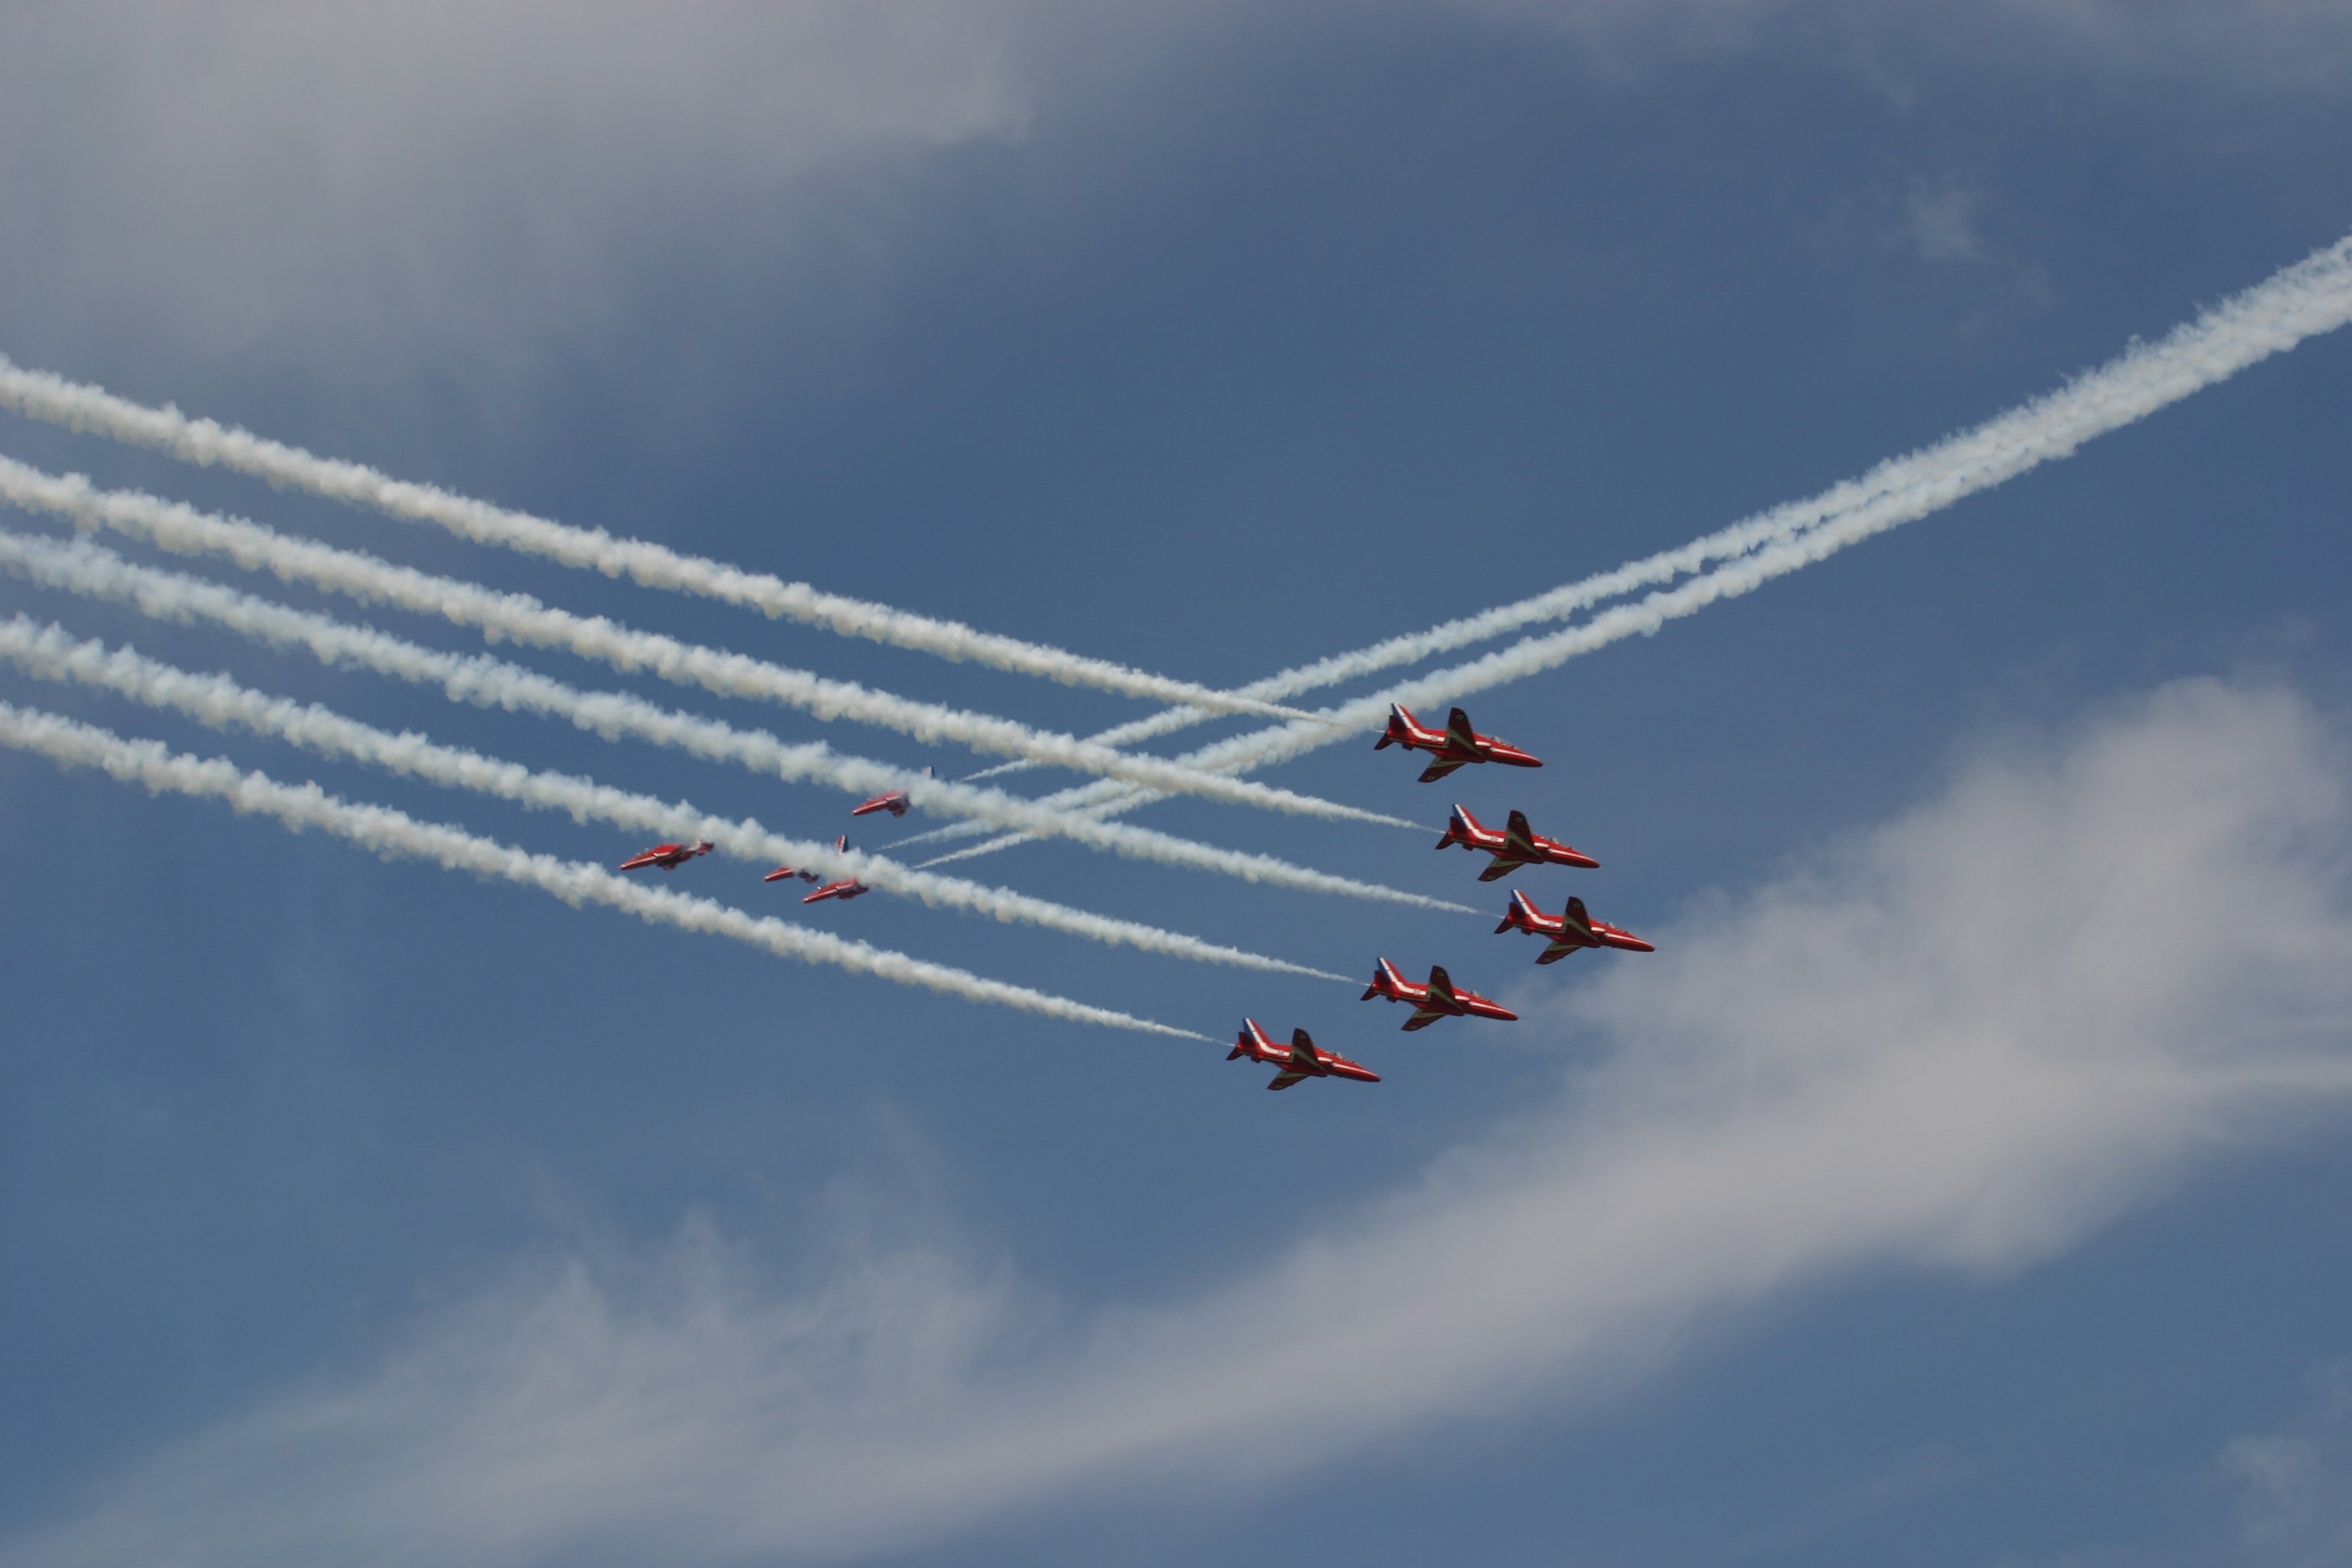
1458 731
1500 866
1285 1079
1423 1017
1556 951
1440 768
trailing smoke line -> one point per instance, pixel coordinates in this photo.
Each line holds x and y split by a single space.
2312 297
39 395
2275 315
80 566
391 832
184 529
49 653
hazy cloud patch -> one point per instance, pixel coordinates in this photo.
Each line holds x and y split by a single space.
1958 1042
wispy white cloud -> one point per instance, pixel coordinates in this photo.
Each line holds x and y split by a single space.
2275 44
440 182
2295 1506
1957 1042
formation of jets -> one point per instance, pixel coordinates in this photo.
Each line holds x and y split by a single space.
1515 845
847 888
669 857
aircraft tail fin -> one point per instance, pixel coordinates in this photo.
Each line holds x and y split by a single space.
1522 915
1461 828
1399 731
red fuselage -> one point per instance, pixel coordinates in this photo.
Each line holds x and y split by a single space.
668 856
893 801
1517 846
1441 998
1455 746
847 888
1569 930
1299 1060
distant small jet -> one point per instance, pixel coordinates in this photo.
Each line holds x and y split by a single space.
1569 930
1452 747
1302 1060
668 856
895 802
1519 845
781 872
1438 999
847 888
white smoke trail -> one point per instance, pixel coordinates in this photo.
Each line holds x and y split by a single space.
39 395
2297 302
396 833
2312 297
517 616
80 566
49 653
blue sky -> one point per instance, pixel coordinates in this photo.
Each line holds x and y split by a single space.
1962 1181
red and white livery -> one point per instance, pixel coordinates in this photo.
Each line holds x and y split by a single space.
1517 844
1568 930
1452 747
1302 1059
1441 998
847 888
893 801
668 856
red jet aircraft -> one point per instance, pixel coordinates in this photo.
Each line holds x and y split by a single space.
847 888
1568 930
668 856
895 802
1302 1060
1517 846
1452 747
1438 999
